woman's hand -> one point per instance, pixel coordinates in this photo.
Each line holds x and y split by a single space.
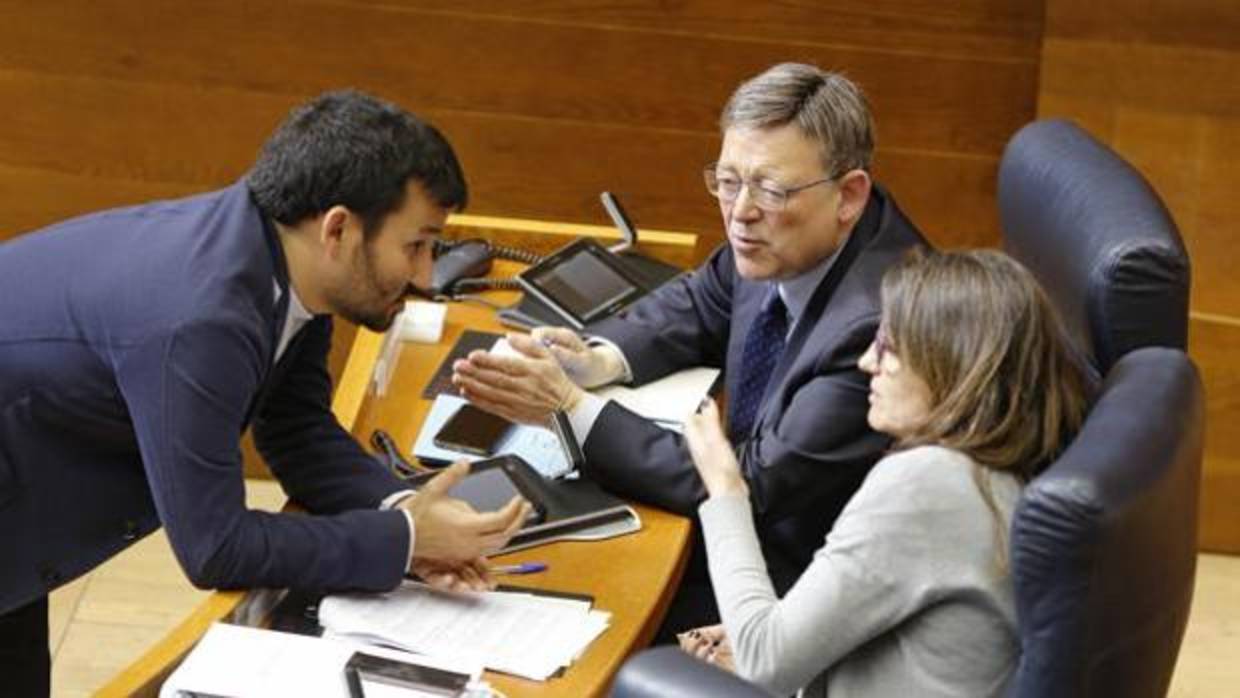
710 644
712 453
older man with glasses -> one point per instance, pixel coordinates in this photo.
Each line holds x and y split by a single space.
787 308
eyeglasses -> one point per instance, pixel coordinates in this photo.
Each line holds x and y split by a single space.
882 346
765 194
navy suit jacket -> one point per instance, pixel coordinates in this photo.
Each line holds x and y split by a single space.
135 347
810 447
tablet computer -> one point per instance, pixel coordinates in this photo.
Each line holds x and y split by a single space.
491 483
582 282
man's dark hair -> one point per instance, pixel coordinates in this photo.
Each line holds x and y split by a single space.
351 149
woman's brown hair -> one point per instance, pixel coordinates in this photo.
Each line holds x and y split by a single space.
1005 387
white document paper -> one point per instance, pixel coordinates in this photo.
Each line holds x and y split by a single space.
239 661
669 400
523 634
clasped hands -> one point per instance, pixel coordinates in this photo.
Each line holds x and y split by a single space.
553 367
709 644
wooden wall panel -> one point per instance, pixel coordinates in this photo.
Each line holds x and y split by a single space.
627 93
1156 79
1214 343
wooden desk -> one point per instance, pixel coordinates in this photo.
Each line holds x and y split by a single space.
632 576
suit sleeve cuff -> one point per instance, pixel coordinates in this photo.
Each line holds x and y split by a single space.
626 374
585 414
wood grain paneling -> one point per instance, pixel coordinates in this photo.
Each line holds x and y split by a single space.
549 102
453 61
995 29
1156 80
1214 344
521 166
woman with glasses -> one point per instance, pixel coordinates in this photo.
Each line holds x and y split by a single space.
911 594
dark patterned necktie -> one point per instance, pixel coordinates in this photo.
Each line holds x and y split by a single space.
763 347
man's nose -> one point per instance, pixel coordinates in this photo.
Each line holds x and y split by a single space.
423 268
743 206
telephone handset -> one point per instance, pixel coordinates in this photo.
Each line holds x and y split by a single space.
461 264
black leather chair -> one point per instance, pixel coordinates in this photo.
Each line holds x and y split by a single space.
1104 542
1103 546
1097 237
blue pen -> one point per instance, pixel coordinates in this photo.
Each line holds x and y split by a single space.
523 568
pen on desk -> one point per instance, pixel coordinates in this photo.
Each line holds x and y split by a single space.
523 568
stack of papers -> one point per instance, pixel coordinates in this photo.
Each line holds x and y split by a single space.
234 660
525 634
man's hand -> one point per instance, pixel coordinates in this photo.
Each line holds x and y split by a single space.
587 366
471 575
525 388
710 644
449 531
712 453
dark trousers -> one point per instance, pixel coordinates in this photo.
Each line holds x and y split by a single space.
693 606
25 661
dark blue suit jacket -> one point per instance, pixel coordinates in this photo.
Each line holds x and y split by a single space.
135 346
811 446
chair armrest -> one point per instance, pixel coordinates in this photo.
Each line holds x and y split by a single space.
667 671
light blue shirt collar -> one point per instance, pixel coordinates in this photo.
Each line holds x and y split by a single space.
297 318
797 291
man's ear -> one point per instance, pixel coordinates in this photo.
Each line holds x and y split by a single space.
854 193
336 226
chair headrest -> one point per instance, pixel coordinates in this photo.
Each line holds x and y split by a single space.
1097 237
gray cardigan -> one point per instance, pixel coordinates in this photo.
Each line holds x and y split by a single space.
906 598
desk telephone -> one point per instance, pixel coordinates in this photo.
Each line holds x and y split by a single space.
580 283
461 264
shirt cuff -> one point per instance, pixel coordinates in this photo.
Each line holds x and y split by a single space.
582 417
390 502
627 372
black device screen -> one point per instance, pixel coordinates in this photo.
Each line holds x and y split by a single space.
582 281
472 430
585 285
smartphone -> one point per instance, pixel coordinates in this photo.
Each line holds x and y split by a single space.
472 430
367 668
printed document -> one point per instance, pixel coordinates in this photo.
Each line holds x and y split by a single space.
525 634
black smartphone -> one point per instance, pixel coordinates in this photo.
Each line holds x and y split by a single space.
362 669
472 430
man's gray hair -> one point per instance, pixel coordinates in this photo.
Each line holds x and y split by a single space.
827 107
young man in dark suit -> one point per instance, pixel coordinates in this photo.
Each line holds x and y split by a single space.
138 344
786 308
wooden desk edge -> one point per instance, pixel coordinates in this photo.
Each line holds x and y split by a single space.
144 676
